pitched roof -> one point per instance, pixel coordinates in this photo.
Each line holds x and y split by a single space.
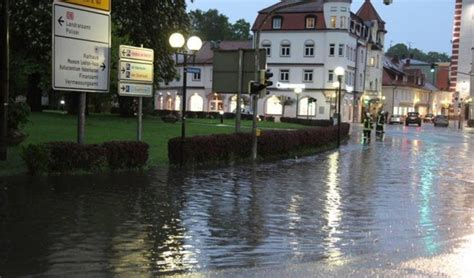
368 12
206 54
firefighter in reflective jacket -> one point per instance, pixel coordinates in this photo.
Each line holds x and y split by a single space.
368 126
379 130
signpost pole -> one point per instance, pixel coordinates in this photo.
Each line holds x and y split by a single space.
81 118
139 117
255 97
4 89
238 111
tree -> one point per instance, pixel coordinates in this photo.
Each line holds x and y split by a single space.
150 23
212 26
241 30
402 51
30 49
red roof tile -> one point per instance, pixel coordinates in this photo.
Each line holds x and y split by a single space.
368 12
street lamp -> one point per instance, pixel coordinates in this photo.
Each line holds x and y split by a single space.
193 44
339 71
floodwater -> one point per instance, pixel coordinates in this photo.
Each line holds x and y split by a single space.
404 205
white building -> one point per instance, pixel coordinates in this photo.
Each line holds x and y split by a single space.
462 60
304 44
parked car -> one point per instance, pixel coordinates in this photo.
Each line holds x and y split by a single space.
413 118
441 120
396 119
428 118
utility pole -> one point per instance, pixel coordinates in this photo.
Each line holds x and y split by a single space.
5 79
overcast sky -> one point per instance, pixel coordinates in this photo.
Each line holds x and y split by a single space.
425 24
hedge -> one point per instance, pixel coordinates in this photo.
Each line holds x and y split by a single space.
308 122
234 147
66 157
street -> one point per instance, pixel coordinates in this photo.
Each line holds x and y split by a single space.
402 206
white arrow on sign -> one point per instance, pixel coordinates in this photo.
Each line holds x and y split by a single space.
135 90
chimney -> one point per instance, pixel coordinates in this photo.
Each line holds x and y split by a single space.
407 63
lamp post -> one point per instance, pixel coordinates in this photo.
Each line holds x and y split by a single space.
339 71
193 44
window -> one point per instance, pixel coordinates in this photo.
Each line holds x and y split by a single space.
309 48
308 76
197 76
341 50
361 56
332 49
377 61
330 76
285 48
343 22
333 21
343 9
333 9
267 45
372 61
285 75
361 82
310 22
277 22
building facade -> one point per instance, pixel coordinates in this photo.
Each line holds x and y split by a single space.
406 88
304 41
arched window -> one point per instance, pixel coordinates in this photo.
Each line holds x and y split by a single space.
216 103
307 108
273 106
196 103
309 48
285 48
159 101
169 102
267 45
177 103
277 22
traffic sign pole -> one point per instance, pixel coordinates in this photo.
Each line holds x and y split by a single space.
139 119
4 89
81 118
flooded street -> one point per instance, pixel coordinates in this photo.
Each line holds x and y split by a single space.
401 206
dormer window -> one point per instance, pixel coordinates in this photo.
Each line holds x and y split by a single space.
333 23
277 20
310 22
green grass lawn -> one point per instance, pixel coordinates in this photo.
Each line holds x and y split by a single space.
53 126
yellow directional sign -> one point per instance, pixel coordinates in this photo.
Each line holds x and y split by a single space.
95 4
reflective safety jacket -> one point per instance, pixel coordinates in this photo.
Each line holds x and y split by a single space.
368 125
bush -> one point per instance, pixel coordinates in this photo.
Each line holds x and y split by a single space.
18 113
308 122
65 157
169 118
231 147
36 158
126 154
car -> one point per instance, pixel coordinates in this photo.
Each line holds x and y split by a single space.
428 118
244 111
441 120
413 118
395 119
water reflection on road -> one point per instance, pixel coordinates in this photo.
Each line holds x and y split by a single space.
403 202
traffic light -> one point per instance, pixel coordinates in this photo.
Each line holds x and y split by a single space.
265 76
433 66
255 88
312 100
387 2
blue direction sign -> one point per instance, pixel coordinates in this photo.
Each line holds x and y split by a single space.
193 70
135 89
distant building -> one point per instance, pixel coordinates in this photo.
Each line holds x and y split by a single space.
406 88
304 44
